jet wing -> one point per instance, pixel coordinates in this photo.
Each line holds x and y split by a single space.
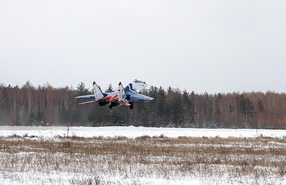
93 101
91 96
142 97
134 96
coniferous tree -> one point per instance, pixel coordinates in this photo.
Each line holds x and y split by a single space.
110 89
81 90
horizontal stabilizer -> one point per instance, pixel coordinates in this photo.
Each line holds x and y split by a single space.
124 103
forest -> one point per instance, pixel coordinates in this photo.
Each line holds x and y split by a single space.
46 105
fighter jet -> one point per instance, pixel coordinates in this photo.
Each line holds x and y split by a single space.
124 96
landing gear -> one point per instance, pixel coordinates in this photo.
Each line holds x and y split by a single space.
102 103
114 103
131 105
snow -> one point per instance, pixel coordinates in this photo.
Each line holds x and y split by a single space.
133 132
67 176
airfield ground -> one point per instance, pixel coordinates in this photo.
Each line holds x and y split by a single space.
142 160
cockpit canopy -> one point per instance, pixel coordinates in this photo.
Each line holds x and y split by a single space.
139 85
138 81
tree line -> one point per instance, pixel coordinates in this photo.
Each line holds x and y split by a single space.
46 105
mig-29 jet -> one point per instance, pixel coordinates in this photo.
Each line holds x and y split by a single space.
124 96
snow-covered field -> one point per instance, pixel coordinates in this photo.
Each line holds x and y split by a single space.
133 132
138 155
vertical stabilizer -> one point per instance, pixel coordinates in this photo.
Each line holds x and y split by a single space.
122 95
97 92
121 92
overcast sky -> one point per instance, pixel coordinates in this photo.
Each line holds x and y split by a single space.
197 45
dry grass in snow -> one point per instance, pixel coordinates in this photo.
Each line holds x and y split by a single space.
144 160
